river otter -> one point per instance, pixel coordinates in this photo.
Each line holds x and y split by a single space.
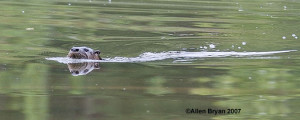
84 53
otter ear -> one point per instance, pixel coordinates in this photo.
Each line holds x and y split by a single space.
97 52
98 55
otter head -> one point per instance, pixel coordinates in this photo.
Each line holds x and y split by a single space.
84 53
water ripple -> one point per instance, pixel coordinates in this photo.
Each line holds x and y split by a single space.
149 56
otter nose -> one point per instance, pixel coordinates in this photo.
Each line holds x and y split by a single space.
74 49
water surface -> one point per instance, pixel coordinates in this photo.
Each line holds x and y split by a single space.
263 86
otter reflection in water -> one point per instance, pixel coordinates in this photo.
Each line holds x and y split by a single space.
77 69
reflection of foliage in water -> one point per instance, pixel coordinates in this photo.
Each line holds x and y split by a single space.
157 86
32 88
29 91
255 91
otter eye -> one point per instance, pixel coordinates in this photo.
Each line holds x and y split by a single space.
86 50
75 50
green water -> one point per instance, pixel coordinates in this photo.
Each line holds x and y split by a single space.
265 87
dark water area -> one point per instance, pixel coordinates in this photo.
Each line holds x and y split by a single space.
263 86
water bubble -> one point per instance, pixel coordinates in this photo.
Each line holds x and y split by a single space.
69 4
162 37
200 47
148 111
244 43
284 7
124 89
239 47
262 113
23 11
240 10
212 46
205 47
29 29
232 46
283 37
271 82
109 1
295 36
249 78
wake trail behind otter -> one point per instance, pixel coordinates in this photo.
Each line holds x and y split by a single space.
149 56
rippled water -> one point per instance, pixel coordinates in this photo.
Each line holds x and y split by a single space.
161 57
148 56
